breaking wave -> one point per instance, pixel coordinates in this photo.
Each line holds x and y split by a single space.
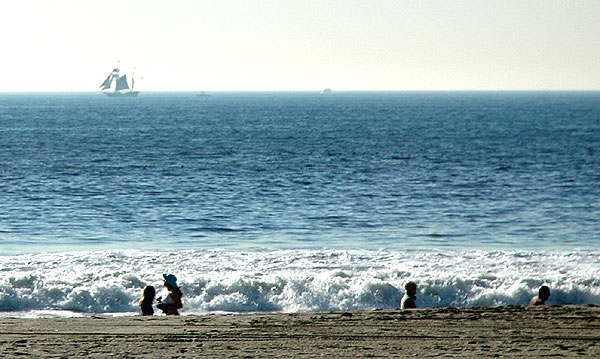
111 282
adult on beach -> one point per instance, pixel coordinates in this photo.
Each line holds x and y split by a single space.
409 300
172 303
542 297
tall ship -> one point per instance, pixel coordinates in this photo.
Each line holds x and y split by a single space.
116 85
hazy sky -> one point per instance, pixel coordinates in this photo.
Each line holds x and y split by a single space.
193 45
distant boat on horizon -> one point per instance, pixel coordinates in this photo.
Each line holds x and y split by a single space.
116 85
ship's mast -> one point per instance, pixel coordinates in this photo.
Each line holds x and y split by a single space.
132 79
116 75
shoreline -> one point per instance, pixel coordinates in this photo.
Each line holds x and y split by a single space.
468 332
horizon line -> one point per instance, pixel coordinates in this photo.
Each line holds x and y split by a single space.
309 91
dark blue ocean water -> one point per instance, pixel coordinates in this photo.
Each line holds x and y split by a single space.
300 170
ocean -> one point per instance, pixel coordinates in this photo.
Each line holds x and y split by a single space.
297 201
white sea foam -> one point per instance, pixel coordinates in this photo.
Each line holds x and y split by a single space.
111 282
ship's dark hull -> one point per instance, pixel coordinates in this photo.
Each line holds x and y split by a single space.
122 94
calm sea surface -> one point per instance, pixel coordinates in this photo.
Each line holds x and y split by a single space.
296 175
296 170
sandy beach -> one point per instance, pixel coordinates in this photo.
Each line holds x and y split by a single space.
471 332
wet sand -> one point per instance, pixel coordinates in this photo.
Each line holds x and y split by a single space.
473 332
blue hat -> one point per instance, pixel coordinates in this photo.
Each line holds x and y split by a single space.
171 280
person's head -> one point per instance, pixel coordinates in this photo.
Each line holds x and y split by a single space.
544 293
170 281
148 294
411 288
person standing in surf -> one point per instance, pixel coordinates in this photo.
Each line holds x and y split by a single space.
542 297
409 301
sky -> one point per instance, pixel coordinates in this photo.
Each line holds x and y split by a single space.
301 45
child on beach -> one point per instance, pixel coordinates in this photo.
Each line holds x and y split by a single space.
542 297
147 300
172 302
409 300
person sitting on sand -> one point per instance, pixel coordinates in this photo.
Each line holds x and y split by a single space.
147 299
542 297
172 302
409 300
